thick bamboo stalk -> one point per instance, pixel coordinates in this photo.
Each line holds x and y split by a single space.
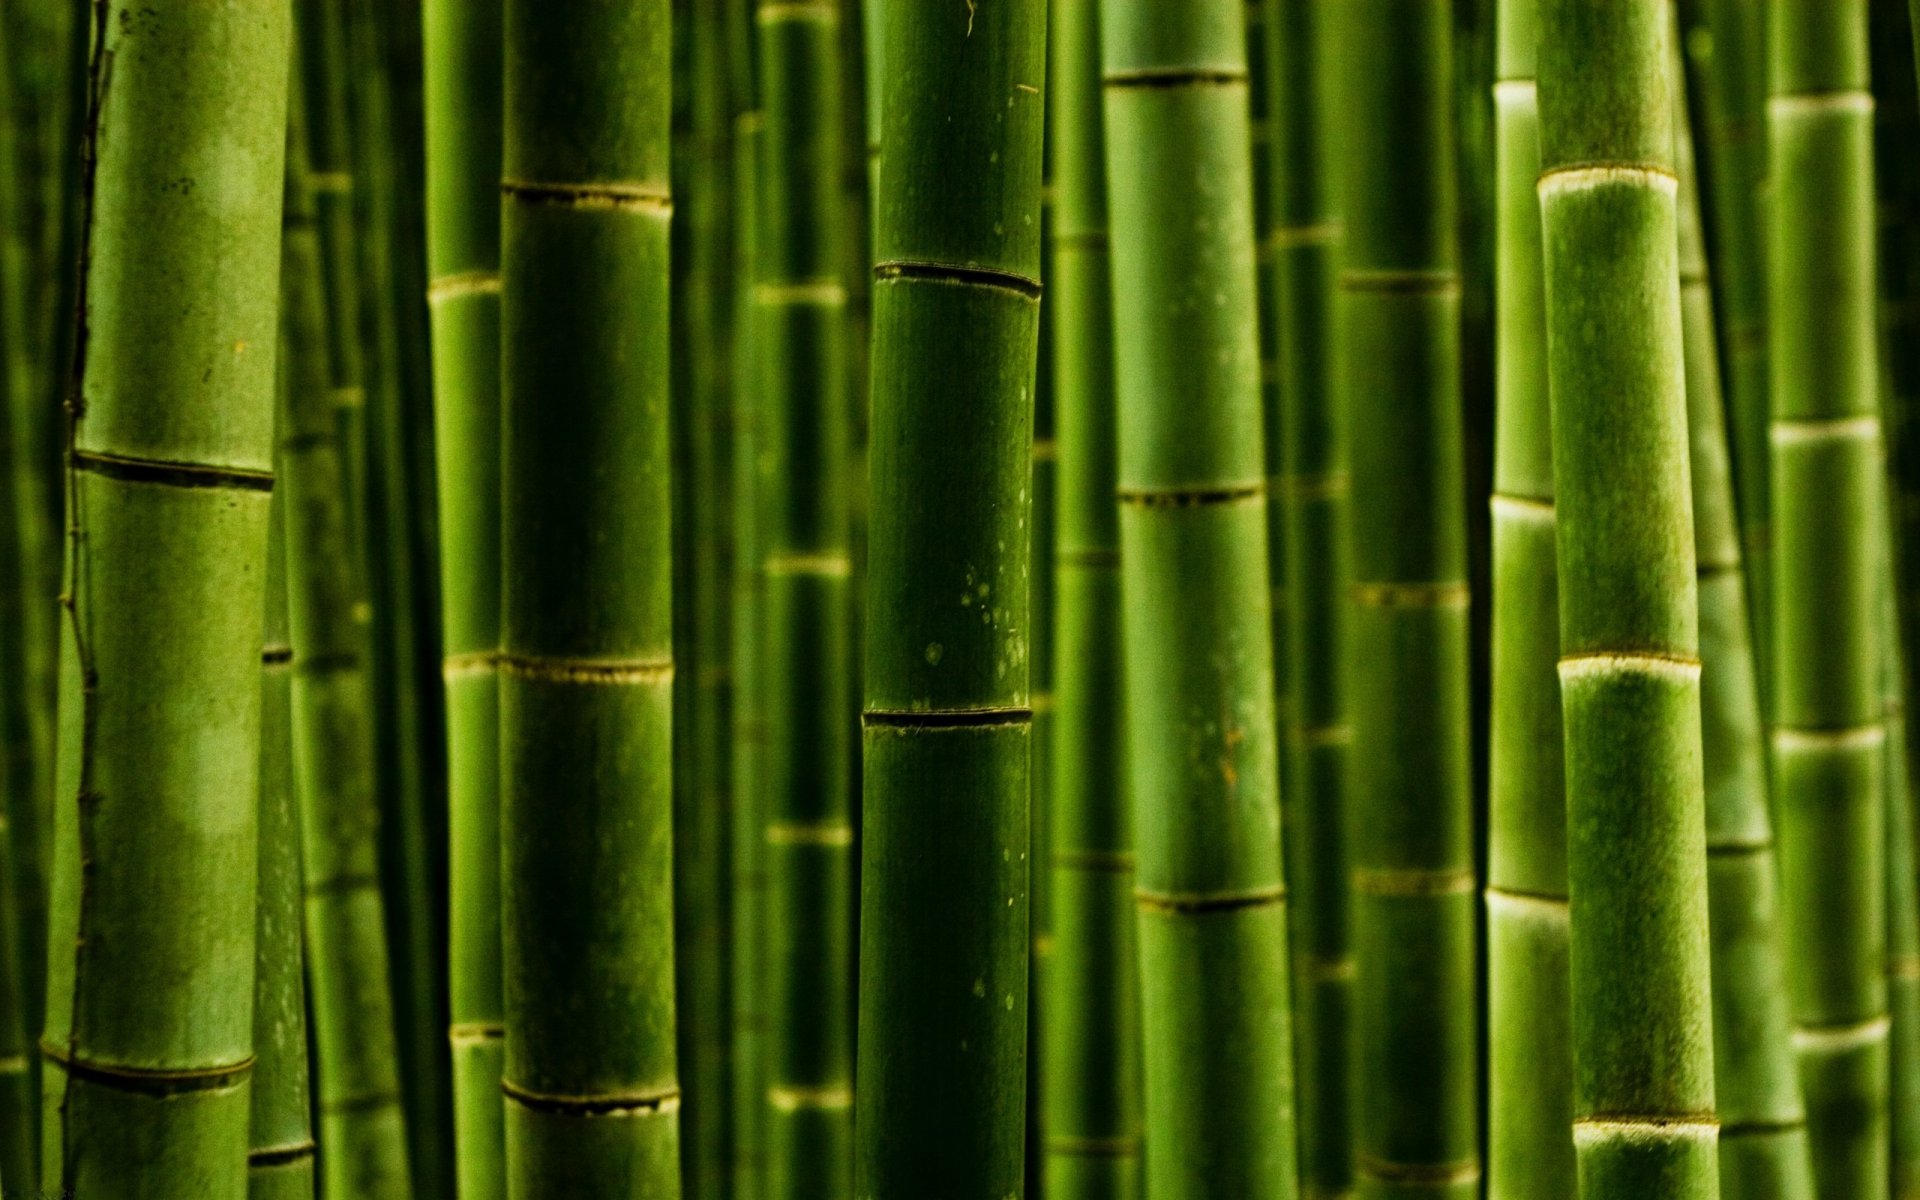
1202 761
1629 672
1530 1013
1763 1135
463 66
358 1085
280 1155
586 698
1829 734
800 315
149 1041
1415 1082
1307 442
944 869
1091 1079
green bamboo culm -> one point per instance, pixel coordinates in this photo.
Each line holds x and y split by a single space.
1629 672
1091 1077
1530 1013
358 1084
943 913
1212 914
800 301
1903 908
1415 1081
463 65
149 1040
280 1158
586 687
1312 486
1763 1135
1828 751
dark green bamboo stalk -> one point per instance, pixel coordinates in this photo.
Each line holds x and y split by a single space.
149 1040
358 1085
1629 672
1529 1024
280 1157
1413 882
1091 1078
1829 736
944 870
1312 485
1763 1136
1903 913
18 1160
586 699
463 71
1203 769
800 315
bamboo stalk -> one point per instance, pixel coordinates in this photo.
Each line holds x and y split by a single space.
1763 1135
1529 1029
1828 740
944 870
1091 1079
1212 913
800 315
1413 882
280 1158
1629 671
149 1041
358 1084
1312 486
463 66
586 699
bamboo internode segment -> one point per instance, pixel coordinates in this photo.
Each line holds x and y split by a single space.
1195 596
1828 757
585 697
1629 622
944 871
1416 1073
148 1041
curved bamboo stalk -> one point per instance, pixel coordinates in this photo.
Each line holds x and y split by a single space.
800 313
1091 1078
1203 769
1530 1013
944 870
1629 672
463 65
149 1041
1829 736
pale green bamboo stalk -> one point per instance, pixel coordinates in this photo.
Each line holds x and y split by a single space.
1530 1013
1629 620
1829 734
149 1038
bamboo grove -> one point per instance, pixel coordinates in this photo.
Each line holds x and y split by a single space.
959 599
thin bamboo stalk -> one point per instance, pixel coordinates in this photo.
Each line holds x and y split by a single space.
463 78
944 869
1415 1082
1212 912
1530 1012
800 316
358 1083
586 698
1829 735
149 1041
1629 618
1763 1135
1312 486
1091 1079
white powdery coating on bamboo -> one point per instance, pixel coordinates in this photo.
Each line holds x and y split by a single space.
1522 508
794 1099
1516 91
810 833
1855 737
832 566
1838 1039
1801 431
1555 908
1809 103
803 293
467 283
773 12
587 671
1606 666
1649 1131
1563 180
